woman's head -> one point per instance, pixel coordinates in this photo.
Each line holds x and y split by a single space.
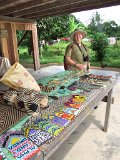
78 35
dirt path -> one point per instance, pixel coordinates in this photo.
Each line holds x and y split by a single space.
60 64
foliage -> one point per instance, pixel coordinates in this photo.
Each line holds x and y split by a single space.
95 24
99 44
57 27
118 32
26 41
74 23
113 53
51 55
53 27
110 28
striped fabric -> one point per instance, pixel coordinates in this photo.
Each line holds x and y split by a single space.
9 116
9 96
30 104
26 100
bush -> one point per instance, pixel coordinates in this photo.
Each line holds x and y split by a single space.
92 55
112 53
99 44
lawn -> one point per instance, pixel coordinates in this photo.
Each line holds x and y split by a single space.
55 54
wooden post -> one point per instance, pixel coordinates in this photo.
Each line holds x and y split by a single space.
108 108
3 41
12 42
35 47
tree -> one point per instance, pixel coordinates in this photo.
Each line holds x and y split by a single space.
118 32
26 40
99 44
53 27
95 24
75 23
110 28
57 26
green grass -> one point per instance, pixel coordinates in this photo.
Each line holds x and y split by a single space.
115 63
55 54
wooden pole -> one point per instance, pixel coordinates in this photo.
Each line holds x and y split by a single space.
35 47
108 109
12 42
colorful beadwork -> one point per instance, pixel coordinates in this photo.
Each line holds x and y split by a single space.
65 115
39 137
60 121
71 111
22 148
49 127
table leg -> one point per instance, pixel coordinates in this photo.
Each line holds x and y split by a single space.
108 108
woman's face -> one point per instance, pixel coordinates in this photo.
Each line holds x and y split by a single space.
78 37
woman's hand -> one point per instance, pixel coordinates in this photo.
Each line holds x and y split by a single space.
81 66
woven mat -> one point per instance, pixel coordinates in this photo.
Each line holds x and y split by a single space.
8 117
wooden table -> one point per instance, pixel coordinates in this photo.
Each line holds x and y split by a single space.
94 100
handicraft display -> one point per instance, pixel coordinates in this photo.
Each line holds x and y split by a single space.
39 137
60 79
75 101
65 115
101 77
59 121
22 148
72 111
61 112
47 125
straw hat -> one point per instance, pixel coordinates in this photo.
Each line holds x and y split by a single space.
77 31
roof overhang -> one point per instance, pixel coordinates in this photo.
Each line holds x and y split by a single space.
33 9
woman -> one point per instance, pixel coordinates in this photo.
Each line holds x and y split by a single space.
76 54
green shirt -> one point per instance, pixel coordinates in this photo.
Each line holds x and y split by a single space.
76 54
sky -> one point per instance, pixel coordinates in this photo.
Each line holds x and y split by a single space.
106 14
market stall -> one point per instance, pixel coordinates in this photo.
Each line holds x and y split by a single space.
72 96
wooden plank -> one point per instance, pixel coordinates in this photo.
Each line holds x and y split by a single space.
4 47
12 43
30 6
2 26
35 48
47 7
24 26
25 6
1 55
13 19
56 9
72 9
8 3
3 43
57 6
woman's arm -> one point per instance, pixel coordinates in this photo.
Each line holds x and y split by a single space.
77 65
